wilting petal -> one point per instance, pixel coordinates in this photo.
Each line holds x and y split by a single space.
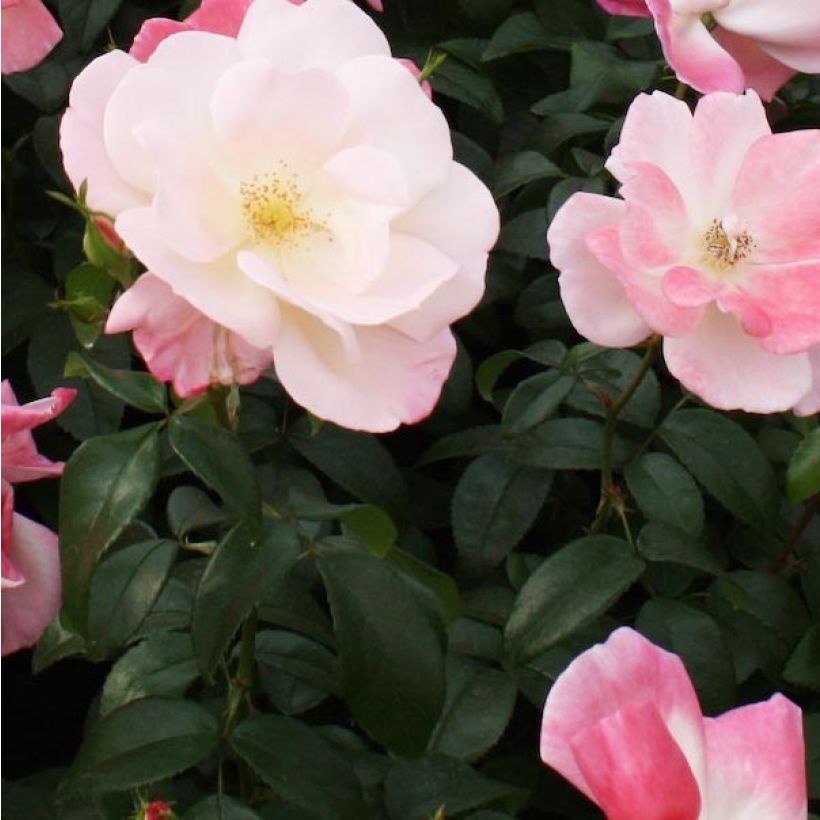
731 371
29 32
635 769
757 763
613 678
29 607
395 380
595 300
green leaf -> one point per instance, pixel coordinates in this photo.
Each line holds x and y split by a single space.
525 235
105 484
494 505
665 492
216 456
296 672
93 286
567 591
357 462
566 444
803 474
662 543
137 389
123 591
84 20
189 508
436 585
727 461
803 667
56 643
393 686
548 352
479 704
247 561
534 400
697 639
417 789
811 730
300 766
141 742
474 441
220 807
462 82
518 34
163 665
515 170
372 526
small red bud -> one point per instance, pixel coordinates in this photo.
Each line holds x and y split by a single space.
158 810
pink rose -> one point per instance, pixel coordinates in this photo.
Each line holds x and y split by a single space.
30 554
296 186
715 244
622 723
180 344
29 32
630 8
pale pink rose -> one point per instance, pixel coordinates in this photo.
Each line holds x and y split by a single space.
715 244
29 32
181 345
630 8
622 723
30 553
296 186
755 44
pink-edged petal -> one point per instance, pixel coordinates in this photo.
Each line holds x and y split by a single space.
264 117
630 8
29 32
730 370
85 157
693 53
220 16
655 131
11 576
656 224
776 196
643 289
635 769
152 32
594 298
316 34
17 418
390 112
395 380
626 671
735 123
789 29
687 287
809 404
179 344
28 608
170 92
763 72
218 289
756 763
783 302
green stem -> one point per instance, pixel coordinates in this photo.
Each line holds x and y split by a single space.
241 682
613 411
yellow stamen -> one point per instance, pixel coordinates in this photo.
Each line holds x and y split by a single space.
723 252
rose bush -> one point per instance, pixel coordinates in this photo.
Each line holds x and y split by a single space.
713 245
297 187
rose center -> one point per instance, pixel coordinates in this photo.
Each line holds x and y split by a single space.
723 249
275 210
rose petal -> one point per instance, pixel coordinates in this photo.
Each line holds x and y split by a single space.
29 32
763 72
757 763
731 371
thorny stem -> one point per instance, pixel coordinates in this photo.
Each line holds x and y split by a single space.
608 491
811 509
